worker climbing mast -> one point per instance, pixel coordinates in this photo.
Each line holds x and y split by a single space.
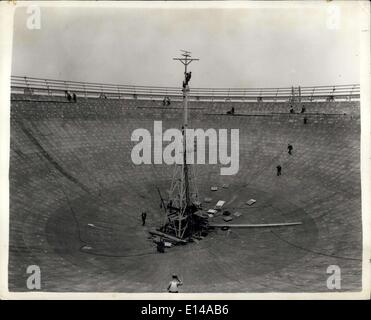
183 195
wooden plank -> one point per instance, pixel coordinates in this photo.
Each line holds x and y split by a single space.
265 225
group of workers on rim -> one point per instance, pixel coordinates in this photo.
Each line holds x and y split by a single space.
70 96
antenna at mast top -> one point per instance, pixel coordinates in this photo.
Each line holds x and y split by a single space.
186 60
186 53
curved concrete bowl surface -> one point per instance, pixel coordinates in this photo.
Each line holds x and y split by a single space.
76 199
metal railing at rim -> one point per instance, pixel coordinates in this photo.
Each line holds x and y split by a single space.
39 86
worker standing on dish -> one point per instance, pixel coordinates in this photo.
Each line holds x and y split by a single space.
174 284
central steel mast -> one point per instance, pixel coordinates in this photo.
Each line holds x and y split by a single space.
183 195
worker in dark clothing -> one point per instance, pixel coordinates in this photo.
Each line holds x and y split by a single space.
168 102
279 169
188 77
292 110
144 216
74 97
330 98
231 111
289 148
161 246
302 109
305 120
69 97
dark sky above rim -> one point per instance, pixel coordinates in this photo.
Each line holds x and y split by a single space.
247 47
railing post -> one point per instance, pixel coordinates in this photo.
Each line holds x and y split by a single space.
351 92
275 99
311 97
260 98
85 93
135 93
47 87
118 90
333 94
65 86
27 86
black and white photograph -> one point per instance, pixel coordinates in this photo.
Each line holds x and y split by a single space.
165 148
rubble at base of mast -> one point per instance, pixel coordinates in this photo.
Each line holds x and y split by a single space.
180 229
195 225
